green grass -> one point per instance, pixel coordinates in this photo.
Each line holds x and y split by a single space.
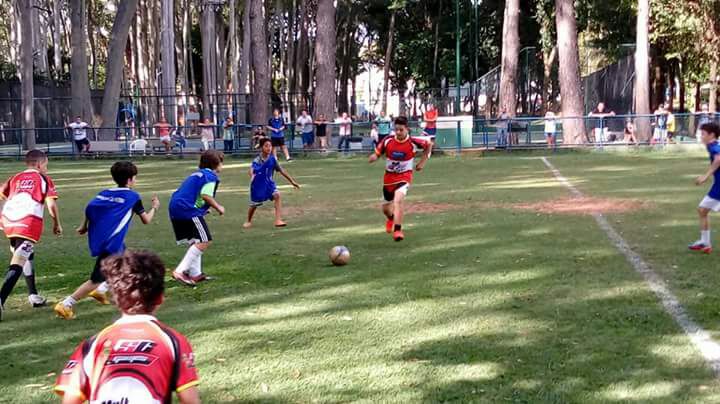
481 303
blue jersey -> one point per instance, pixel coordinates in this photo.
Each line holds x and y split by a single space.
185 203
714 150
262 186
109 215
276 123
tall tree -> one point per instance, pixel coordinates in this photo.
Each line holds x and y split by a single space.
57 45
234 48
114 68
261 88
325 58
26 73
167 43
510 54
388 59
642 71
80 103
569 72
208 34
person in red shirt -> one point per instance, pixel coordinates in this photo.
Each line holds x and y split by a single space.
399 150
26 194
430 117
137 359
163 131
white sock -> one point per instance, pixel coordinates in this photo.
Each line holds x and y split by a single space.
103 287
705 237
69 301
188 261
196 268
28 268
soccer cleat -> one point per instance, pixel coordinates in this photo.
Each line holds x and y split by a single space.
37 300
102 298
389 224
700 246
200 278
398 235
63 311
183 278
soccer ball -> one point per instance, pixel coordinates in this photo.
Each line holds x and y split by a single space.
339 255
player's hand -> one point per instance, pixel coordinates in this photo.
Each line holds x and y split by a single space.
419 167
296 185
220 210
82 230
373 158
155 202
57 229
701 180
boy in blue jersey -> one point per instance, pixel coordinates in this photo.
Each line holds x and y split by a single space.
276 126
709 137
188 206
262 186
107 220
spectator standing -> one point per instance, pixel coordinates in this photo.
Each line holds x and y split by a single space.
703 117
630 133
207 135
601 130
383 125
228 135
550 129
276 126
430 117
671 126
162 129
305 122
79 132
345 131
660 132
321 126
257 135
503 123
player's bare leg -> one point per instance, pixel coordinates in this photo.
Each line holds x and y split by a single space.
704 243
286 152
20 256
387 209
251 213
278 211
274 151
398 206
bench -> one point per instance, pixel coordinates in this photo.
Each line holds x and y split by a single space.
106 146
156 145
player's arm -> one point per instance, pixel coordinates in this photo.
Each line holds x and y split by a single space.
427 148
189 396
55 215
147 217
83 227
288 177
379 150
713 167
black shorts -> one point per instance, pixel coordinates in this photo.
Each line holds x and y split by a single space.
97 275
389 190
277 141
80 143
191 231
15 242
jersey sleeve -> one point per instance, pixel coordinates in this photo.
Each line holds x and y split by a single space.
187 375
138 208
72 379
421 143
51 191
380 148
208 189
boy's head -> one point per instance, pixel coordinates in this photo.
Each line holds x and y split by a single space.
304 112
137 280
78 119
37 159
212 160
265 146
124 173
276 112
709 132
401 127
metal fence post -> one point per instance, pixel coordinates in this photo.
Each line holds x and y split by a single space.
459 138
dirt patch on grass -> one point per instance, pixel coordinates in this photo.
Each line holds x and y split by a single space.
583 205
428 207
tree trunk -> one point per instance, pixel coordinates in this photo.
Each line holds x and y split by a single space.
261 89
681 87
26 73
510 54
712 103
15 34
167 44
325 58
302 53
436 79
388 58
39 40
182 48
80 103
698 97
548 62
234 49
246 50
115 63
569 74
642 72
209 57
57 45
91 39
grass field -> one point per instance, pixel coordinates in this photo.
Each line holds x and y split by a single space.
487 300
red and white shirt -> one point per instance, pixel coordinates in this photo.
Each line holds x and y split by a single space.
400 158
136 360
25 194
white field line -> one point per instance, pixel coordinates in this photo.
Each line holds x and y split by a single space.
709 349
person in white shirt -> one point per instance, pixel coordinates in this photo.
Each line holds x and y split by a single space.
550 129
305 123
79 132
207 136
345 131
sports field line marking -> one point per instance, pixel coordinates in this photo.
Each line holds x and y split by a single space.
709 349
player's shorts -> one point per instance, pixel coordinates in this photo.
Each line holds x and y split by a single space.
710 203
430 132
551 134
191 231
166 139
82 142
272 197
308 138
277 141
22 247
389 191
97 275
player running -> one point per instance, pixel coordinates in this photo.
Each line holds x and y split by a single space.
399 150
709 133
26 194
137 359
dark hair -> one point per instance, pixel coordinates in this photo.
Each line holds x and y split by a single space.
711 128
262 142
35 156
122 172
137 280
211 159
401 120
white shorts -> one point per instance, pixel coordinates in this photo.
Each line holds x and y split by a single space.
710 203
165 139
601 134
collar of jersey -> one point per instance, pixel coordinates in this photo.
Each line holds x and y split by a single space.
119 189
134 318
31 170
401 141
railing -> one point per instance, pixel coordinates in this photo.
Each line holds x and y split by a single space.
453 133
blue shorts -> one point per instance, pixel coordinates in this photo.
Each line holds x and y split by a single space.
430 131
308 138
